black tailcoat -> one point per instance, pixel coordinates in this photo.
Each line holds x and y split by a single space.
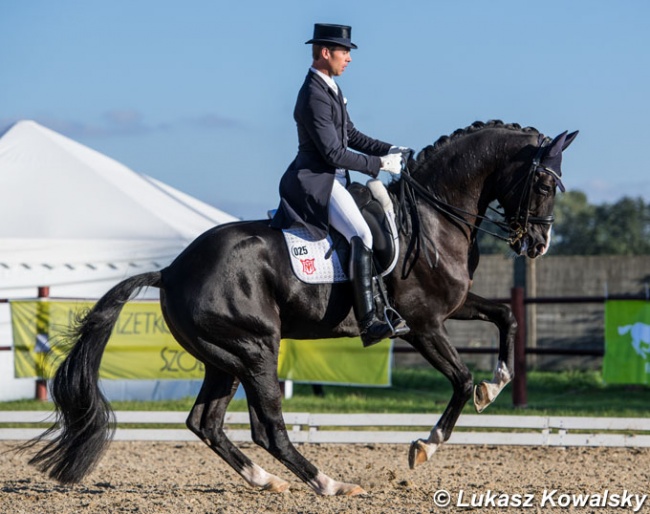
325 132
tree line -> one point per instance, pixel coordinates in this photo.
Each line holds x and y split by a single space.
582 228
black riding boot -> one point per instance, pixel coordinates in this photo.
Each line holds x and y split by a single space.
371 328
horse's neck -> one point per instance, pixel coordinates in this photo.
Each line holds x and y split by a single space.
467 175
466 194
464 189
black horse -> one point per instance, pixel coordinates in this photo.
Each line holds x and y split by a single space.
230 297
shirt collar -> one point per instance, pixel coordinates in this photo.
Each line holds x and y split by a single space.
328 80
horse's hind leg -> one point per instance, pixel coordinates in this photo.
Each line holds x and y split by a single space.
206 421
478 308
269 431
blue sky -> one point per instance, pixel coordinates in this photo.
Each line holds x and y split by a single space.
200 94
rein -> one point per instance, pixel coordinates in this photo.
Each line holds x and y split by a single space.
514 225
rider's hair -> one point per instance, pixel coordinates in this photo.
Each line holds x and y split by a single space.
316 49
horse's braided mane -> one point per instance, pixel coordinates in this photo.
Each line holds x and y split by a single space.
444 141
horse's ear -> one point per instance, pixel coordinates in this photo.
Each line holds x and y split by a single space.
557 145
569 139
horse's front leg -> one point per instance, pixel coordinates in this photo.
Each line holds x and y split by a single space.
478 308
436 348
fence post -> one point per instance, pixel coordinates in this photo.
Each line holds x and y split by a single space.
42 339
519 395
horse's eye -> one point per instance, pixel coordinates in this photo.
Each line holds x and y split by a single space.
543 189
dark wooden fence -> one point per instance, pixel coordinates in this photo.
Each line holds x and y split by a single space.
518 302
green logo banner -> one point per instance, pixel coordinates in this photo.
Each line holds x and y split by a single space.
627 342
341 361
141 347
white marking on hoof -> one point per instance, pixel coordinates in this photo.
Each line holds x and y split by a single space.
324 485
486 392
258 477
421 450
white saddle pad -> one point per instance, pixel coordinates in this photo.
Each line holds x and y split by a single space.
308 257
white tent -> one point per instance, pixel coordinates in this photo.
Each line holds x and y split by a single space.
76 220
79 222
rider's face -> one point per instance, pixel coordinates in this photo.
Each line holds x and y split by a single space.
337 60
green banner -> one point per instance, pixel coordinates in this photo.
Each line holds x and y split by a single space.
141 347
627 342
336 361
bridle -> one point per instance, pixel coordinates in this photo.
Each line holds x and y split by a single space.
515 226
518 223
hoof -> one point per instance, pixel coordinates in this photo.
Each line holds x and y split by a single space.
417 454
277 486
481 397
351 490
325 486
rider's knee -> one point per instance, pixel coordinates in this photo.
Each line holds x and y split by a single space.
366 237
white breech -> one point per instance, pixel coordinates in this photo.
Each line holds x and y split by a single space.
344 215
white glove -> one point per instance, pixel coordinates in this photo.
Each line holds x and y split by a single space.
399 149
392 163
406 152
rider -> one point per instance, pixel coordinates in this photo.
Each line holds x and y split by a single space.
313 189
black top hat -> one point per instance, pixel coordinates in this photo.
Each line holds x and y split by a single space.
325 34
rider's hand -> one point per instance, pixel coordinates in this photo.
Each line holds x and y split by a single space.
404 150
392 163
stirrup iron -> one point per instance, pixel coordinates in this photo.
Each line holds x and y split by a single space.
396 323
391 316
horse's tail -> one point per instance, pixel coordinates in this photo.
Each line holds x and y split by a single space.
624 330
84 416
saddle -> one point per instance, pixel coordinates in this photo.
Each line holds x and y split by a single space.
325 261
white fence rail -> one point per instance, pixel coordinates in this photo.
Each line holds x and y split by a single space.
375 428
